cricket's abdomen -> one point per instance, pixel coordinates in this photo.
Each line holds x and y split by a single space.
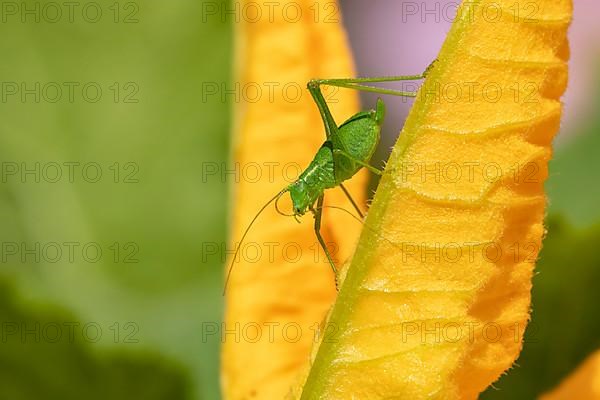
320 173
358 137
311 184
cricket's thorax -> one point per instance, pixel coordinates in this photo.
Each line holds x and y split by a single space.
314 180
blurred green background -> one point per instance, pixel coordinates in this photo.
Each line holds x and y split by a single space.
141 304
128 323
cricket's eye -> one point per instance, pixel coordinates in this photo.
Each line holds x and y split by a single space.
297 210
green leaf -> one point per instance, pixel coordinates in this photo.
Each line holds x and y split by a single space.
573 186
171 133
45 356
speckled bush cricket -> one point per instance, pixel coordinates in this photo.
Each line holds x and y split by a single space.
347 148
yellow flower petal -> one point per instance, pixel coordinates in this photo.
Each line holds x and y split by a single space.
583 383
438 293
282 285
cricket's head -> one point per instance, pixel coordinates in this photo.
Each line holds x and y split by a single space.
301 199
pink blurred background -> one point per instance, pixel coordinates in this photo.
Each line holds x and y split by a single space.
399 37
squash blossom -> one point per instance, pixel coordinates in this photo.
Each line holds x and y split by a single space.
436 298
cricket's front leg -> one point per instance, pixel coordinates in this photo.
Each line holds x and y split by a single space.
318 212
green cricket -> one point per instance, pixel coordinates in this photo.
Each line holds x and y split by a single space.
347 148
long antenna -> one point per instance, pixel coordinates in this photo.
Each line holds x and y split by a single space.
237 250
371 229
360 220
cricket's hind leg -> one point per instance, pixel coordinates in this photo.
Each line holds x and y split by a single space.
368 166
314 87
359 83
